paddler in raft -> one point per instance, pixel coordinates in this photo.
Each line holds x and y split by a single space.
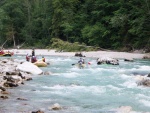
43 59
81 63
41 62
27 57
33 60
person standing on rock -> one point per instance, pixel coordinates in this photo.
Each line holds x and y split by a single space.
33 55
33 52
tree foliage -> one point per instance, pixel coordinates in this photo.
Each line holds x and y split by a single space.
102 23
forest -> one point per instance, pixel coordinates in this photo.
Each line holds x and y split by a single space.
109 24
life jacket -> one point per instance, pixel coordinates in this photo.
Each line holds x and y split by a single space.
43 59
27 58
2 52
33 59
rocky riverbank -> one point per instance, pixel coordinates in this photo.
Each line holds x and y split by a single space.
10 77
14 73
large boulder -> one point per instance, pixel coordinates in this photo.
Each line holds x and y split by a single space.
143 80
107 60
30 68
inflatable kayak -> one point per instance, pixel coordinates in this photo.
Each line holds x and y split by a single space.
40 64
81 65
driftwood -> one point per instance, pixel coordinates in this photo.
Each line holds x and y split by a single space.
3 44
19 46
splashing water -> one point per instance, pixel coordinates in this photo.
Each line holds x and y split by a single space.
94 89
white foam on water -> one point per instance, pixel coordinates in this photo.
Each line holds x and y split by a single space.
56 74
57 87
77 69
104 69
129 84
56 68
144 68
59 92
96 90
114 88
143 96
19 56
122 70
70 75
66 87
58 60
95 70
45 87
66 59
124 76
64 90
145 102
140 69
74 68
130 80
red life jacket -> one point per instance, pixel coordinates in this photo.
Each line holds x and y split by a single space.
27 58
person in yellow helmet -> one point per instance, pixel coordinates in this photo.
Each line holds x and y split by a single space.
43 59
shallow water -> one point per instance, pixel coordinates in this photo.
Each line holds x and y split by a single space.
94 89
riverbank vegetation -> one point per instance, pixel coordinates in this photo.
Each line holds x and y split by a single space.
62 46
120 25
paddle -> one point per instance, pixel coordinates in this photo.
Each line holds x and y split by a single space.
73 64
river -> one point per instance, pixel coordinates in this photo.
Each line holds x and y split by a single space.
94 89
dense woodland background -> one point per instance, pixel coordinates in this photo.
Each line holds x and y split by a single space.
109 24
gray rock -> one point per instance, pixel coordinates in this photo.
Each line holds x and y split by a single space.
56 106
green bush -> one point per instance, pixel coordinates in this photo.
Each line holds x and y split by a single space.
60 45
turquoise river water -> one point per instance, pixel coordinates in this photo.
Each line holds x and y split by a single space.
94 89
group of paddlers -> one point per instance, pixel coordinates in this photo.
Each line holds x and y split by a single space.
5 53
33 57
81 63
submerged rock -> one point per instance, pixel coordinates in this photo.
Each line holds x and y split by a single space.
129 60
47 73
143 80
4 97
56 106
22 99
39 111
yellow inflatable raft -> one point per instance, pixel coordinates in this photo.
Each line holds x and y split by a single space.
40 64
